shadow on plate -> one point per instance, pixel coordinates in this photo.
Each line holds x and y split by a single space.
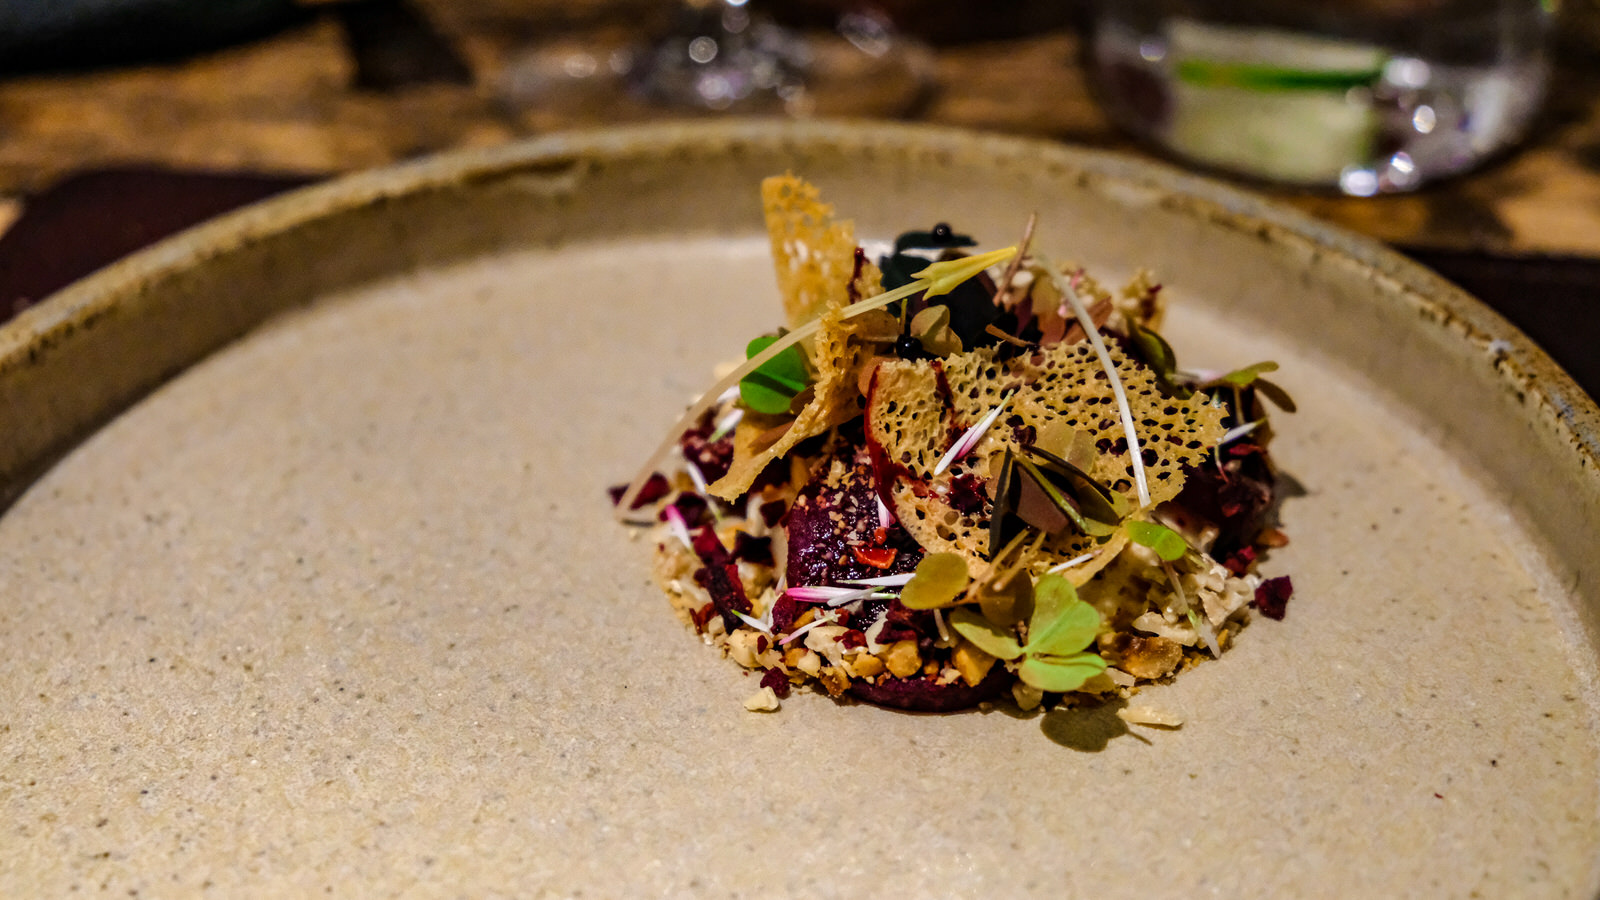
1087 729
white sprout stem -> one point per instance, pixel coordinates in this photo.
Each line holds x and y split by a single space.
753 623
678 527
728 423
766 614
938 283
696 476
884 580
1239 431
846 601
964 445
1075 561
809 594
819 620
1099 345
944 633
1207 635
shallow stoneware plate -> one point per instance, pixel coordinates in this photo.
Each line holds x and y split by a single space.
310 582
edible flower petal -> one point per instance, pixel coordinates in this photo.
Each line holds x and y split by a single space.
970 439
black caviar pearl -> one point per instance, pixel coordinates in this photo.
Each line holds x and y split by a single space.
908 347
942 233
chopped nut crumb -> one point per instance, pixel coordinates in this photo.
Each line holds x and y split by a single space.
902 659
866 665
834 680
1147 656
764 700
1149 715
810 663
1027 696
973 663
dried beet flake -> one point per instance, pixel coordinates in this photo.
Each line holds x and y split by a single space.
779 682
655 487
1272 597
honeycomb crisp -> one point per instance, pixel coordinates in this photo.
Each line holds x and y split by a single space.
819 275
917 408
812 255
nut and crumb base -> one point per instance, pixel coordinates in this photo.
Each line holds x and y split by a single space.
826 655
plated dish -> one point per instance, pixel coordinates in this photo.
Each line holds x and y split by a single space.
955 477
311 584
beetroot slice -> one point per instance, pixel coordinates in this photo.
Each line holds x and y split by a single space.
829 519
923 694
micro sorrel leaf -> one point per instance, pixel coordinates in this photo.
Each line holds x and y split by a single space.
1066 507
1095 500
773 385
1161 359
1003 526
1247 375
1167 544
1279 397
932 328
991 640
938 580
1006 601
1062 674
1061 624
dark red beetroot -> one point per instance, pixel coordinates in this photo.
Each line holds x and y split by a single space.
777 680
1235 499
720 577
922 694
655 487
900 624
830 525
1272 597
694 509
712 458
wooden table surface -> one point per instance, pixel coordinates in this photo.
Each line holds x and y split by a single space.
343 90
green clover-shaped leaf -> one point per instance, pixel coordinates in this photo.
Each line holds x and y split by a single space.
1062 624
939 579
1167 544
771 387
1060 674
991 640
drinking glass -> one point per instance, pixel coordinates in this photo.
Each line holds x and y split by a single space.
1367 96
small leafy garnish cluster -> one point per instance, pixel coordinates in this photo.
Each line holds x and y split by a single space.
1061 627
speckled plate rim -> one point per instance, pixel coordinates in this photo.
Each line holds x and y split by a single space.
72 332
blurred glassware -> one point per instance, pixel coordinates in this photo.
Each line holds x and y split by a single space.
1367 96
727 56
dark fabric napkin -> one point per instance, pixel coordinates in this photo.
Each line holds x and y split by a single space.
95 218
